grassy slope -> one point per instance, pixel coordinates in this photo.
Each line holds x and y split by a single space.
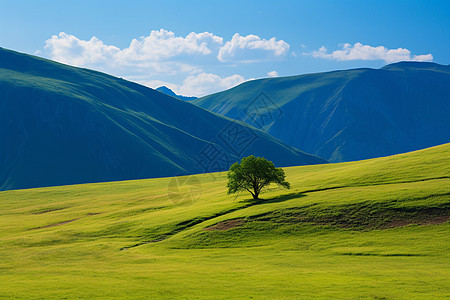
333 235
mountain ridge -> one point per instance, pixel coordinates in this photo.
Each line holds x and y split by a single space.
167 91
348 115
65 125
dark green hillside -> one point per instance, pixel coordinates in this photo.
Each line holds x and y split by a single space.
347 115
65 125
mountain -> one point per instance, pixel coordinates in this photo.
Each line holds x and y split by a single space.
167 91
63 125
347 115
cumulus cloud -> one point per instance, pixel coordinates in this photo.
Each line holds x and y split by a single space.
164 55
272 74
359 51
162 52
251 48
207 83
423 57
160 45
200 85
163 44
70 49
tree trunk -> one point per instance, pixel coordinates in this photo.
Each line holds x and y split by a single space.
255 195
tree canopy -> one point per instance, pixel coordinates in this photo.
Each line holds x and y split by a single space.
252 174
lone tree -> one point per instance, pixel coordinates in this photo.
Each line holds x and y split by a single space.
253 174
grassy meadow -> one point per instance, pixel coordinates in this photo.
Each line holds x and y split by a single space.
373 229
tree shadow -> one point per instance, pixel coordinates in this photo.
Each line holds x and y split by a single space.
277 199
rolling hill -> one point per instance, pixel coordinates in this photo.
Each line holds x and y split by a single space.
373 229
64 125
347 115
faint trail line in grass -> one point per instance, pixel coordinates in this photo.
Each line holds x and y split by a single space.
54 224
47 210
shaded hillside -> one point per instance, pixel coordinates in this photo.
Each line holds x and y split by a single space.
347 115
64 125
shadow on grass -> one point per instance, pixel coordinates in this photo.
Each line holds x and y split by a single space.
192 222
276 199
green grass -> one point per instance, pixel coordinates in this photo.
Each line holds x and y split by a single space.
375 229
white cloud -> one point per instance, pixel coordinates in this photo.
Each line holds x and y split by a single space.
199 85
359 51
145 52
423 57
163 45
207 83
161 52
251 48
272 74
69 49
163 57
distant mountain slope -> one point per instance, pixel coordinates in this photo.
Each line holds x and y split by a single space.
167 91
347 115
65 125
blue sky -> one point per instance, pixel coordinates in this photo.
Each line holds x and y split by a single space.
200 47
